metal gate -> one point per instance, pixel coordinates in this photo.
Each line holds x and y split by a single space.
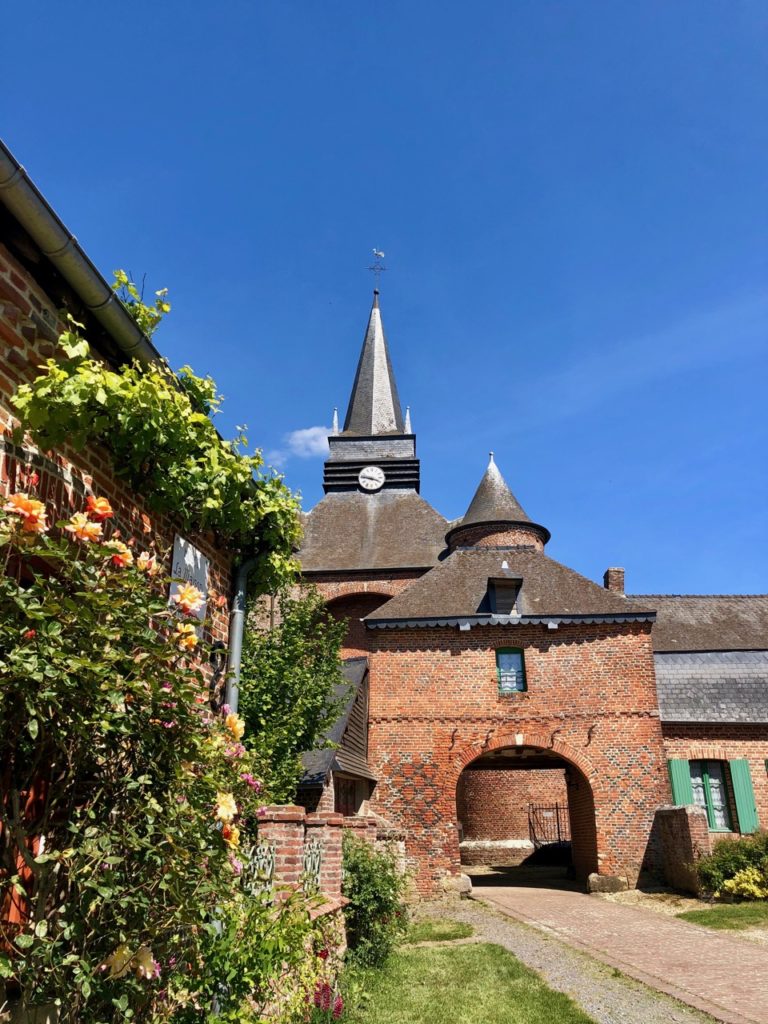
548 824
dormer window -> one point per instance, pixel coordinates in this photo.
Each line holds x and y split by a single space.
510 668
502 595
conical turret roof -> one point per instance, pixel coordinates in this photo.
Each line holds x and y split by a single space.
493 503
374 405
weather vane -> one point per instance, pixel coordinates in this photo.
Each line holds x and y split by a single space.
377 266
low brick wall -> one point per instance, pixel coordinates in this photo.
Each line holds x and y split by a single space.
683 834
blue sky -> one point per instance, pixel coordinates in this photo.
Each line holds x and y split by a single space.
572 197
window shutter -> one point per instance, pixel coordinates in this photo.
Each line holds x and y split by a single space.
744 795
680 777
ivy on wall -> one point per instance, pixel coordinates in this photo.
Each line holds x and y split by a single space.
158 429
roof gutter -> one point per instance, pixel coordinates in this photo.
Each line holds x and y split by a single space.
465 622
30 208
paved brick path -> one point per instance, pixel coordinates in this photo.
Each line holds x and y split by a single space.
716 972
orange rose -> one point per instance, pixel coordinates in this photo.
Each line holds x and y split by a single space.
82 528
188 598
121 554
99 509
31 512
186 637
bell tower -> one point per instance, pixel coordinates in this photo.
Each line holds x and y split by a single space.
376 450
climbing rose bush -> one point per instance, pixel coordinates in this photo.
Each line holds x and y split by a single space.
125 802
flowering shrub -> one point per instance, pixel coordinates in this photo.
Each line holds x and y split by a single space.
737 868
376 914
163 442
123 798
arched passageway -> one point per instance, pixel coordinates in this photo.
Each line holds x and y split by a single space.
526 815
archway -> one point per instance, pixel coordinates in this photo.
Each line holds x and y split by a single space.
353 608
526 816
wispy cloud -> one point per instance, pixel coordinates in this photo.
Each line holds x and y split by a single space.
607 369
305 443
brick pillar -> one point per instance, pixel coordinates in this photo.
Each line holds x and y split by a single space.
372 830
283 825
327 828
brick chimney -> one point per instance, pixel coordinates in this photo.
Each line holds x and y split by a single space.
613 580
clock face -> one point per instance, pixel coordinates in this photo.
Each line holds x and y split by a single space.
371 478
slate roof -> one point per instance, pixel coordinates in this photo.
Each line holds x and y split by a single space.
715 622
457 588
374 405
349 731
494 502
713 686
388 530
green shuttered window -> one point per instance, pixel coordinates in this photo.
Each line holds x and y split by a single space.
744 795
706 784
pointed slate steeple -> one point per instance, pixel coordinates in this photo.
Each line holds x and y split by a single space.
494 506
376 450
374 405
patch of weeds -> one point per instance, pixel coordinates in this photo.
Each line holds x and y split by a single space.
730 916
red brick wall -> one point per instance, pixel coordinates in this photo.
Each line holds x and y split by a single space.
492 536
355 598
435 707
28 331
724 743
494 804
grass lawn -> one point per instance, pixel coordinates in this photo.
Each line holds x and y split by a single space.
438 931
733 916
472 984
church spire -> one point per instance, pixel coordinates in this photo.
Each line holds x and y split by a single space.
374 406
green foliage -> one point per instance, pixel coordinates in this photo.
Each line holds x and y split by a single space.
163 443
438 931
376 915
291 686
729 858
109 752
147 317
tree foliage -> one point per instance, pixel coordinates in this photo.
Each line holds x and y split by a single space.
291 686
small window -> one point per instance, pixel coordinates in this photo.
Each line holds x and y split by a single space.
511 670
708 782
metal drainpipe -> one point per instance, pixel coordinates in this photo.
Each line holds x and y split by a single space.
236 628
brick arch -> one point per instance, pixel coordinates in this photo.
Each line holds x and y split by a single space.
353 607
509 738
334 589
581 798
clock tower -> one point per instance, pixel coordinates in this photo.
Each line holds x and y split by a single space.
376 450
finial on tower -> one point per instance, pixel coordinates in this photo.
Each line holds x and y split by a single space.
377 268
407 427
490 459
335 423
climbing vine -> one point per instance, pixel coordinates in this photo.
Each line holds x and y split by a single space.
158 429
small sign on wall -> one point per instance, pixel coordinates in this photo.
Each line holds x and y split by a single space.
190 565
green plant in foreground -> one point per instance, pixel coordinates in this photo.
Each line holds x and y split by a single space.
123 800
376 914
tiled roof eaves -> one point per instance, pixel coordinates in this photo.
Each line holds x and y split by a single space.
381 570
506 620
